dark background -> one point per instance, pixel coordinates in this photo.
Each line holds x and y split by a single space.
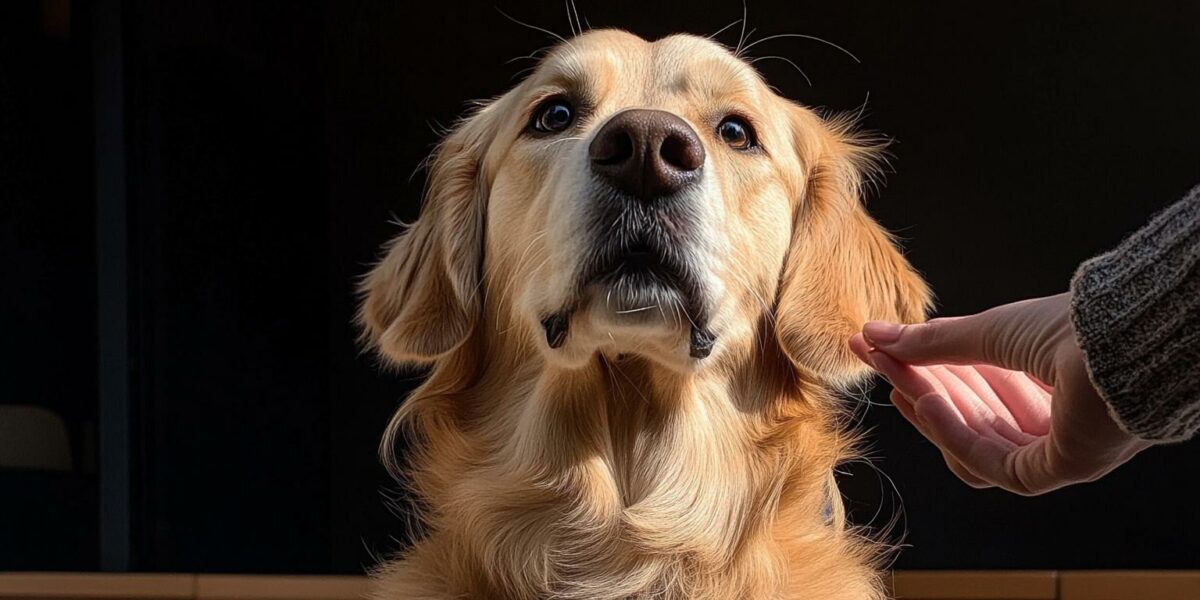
188 191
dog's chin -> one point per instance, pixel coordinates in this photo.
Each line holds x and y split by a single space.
636 301
619 319
632 298
639 314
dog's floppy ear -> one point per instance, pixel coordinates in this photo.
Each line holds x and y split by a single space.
843 269
422 300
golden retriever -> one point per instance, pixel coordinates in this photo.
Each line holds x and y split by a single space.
634 277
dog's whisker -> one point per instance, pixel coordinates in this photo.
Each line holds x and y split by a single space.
736 274
718 32
566 139
634 386
513 314
801 36
899 516
575 11
535 55
511 281
742 35
522 72
533 27
741 50
570 22
635 310
788 61
862 107
520 262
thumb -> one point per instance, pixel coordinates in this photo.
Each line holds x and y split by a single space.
980 338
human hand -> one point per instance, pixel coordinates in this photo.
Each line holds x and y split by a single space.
1004 394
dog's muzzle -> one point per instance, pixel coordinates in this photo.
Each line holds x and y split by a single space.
645 165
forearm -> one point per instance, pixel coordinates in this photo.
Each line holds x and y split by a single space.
1136 312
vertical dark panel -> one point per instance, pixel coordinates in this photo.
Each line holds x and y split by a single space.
48 286
112 280
229 254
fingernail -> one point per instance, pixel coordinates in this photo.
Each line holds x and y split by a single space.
881 332
881 361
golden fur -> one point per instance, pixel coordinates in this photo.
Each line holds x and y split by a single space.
605 475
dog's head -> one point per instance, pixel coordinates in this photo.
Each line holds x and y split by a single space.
651 198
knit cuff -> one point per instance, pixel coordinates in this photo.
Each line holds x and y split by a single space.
1136 313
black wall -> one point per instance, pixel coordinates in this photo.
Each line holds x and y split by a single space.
47 282
269 144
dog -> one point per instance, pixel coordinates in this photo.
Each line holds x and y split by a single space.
634 277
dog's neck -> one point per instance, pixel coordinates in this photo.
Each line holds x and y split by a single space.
623 475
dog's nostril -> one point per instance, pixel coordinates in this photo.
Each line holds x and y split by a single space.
613 148
682 152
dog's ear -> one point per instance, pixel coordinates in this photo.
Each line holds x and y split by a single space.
423 298
843 269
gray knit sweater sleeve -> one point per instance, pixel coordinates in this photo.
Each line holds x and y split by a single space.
1136 312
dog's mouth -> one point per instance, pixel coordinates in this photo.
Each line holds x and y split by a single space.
640 275
638 280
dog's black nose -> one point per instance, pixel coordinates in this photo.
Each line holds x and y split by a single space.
647 153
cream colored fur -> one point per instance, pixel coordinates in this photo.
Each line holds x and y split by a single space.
629 475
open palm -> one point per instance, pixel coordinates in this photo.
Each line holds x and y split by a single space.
1004 395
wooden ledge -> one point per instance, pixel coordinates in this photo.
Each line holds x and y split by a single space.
981 585
907 585
1129 585
97 585
281 587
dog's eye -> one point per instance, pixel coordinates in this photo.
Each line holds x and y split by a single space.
737 133
553 116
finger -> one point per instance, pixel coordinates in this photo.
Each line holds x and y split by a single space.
913 382
1029 468
905 408
965 474
998 336
1049 389
971 378
1028 402
904 405
861 349
982 456
908 411
978 413
957 340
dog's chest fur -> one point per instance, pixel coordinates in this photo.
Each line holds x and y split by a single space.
601 484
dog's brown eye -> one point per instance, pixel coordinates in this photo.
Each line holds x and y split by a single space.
553 116
737 133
